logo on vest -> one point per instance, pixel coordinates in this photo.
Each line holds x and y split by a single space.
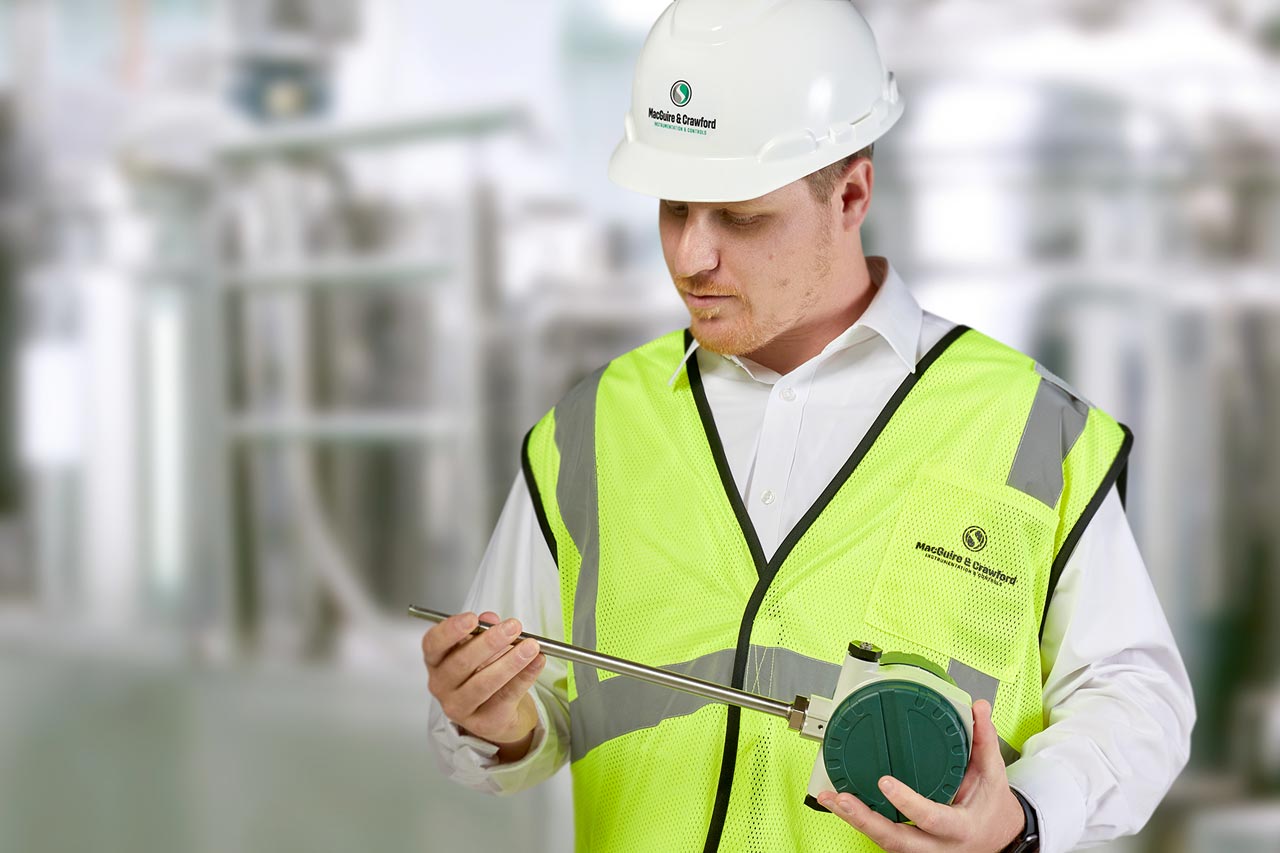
969 565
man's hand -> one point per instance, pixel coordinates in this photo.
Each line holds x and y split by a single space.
482 682
984 817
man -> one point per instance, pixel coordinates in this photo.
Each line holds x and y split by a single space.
741 500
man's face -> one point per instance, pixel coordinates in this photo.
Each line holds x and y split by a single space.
749 272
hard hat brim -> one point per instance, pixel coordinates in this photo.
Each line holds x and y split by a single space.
663 174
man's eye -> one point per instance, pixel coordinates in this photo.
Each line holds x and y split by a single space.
741 221
677 210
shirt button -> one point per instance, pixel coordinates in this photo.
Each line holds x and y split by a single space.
788 394
767 497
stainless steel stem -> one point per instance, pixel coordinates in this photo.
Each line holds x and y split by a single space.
665 678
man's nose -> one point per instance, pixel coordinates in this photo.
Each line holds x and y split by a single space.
697 252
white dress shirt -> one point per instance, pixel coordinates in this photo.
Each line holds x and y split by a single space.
1116 692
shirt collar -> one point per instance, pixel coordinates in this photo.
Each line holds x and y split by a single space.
893 314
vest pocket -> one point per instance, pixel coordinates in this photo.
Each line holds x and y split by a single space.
964 572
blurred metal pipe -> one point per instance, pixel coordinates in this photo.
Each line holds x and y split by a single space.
324 137
345 427
339 272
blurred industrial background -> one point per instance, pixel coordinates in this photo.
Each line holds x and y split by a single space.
283 283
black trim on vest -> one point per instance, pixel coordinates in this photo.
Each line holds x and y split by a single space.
1119 466
722 462
536 496
767 570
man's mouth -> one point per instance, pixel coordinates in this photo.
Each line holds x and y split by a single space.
708 300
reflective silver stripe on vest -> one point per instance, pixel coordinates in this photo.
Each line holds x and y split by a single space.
620 705
979 685
579 508
1056 420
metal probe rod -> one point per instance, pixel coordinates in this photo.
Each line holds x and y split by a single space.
665 678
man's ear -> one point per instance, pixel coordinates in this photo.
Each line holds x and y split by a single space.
855 188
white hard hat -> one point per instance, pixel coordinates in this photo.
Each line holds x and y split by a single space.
733 99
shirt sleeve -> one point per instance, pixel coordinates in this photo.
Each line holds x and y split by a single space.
1116 693
517 577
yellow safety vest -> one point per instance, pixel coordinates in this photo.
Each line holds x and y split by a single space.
943 535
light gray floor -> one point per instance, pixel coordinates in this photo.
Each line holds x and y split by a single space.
105 756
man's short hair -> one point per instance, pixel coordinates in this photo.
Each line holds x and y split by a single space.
822 183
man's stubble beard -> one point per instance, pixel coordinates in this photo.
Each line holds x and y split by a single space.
746 336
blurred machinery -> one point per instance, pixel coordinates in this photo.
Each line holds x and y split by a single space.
361 376
13 580
284 54
306 307
352 349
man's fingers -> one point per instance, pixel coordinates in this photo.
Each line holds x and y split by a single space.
491 618
494 679
470 656
986 742
931 817
440 640
513 690
985 760
881 830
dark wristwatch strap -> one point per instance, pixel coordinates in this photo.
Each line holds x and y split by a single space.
1029 840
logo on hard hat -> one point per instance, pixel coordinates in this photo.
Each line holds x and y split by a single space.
975 538
681 93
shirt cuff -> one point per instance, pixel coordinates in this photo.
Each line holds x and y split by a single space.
477 757
1056 797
